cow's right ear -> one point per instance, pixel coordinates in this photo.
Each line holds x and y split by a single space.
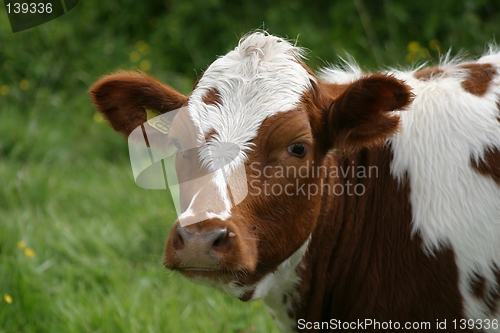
123 98
361 116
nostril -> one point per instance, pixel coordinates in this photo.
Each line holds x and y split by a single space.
221 238
181 236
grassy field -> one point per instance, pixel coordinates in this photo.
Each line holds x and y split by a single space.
80 251
80 244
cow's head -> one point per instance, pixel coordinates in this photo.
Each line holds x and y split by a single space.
262 99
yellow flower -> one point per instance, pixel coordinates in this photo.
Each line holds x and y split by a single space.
21 244
98 118
24 84
28 252
7 298
413 46
4 90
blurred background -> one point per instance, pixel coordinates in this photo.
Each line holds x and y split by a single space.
80 244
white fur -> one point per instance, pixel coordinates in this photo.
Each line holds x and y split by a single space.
346 73
261 77
452 204
249 82
282 282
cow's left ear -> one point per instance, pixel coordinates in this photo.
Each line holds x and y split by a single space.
360 116
125 98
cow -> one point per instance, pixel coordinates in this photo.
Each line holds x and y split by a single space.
372 199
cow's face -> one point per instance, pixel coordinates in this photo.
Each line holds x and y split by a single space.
258 124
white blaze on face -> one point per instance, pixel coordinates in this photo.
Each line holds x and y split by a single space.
202 149
259 78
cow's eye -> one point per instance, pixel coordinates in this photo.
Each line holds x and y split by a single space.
297 149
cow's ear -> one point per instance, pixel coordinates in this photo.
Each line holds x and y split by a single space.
360 116
125 98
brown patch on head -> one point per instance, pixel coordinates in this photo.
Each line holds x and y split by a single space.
479 78
428 73
268 210
210 135
489 165
212 97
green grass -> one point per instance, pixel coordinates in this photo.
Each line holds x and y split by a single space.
66 189
67 193
97 237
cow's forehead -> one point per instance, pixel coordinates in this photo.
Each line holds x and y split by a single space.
262 76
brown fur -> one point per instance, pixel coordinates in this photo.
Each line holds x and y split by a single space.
363 261
212 97
489 165
366 264
427 74
122 97
487 293
478 286
498 107
479 78
210 134
358 118
494 297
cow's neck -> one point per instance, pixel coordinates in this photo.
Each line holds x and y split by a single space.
362 253
279 292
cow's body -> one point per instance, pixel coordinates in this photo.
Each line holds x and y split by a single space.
414 235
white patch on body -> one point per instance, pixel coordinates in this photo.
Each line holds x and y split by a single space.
452 204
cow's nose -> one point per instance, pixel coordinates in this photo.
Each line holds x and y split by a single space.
200 248
204 241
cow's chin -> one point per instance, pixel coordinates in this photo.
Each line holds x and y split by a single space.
209 275
228 282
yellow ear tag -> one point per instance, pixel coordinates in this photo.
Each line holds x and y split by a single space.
157 122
